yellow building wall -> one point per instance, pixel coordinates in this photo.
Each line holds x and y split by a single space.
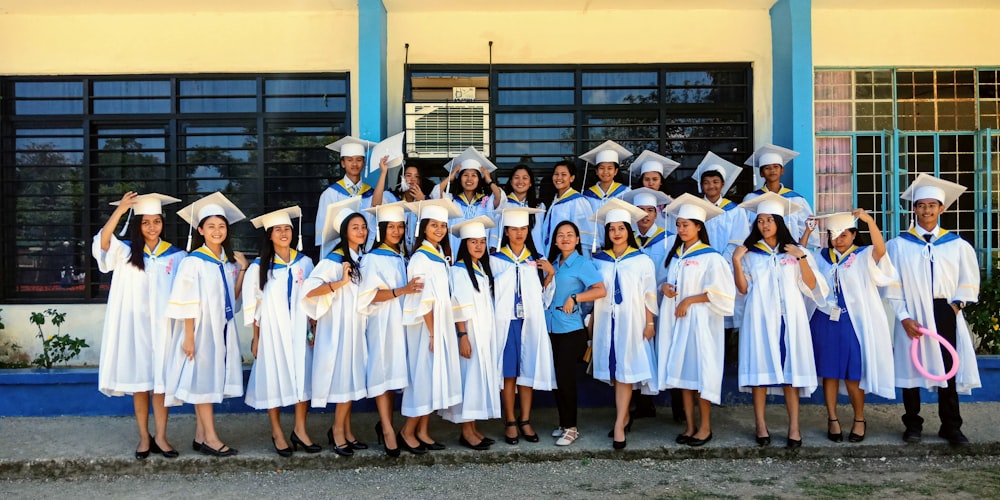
911 37
583 37
165 42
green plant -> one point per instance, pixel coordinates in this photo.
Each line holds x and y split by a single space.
984 315
55 348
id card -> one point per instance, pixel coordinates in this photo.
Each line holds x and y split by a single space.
519 310
835 314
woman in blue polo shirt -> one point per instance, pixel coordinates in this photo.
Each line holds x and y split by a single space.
576 281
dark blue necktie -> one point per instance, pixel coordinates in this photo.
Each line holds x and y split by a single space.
618 290
225 288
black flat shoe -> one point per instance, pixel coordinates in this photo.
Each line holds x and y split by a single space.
793 444
227 452
435 446
343 450
416 450
628 428
142 455
310 448
695 442
508 439
618 445
196 446
155 448
531 438
480 446
488 441
357 444
682 438
956 438
913 435
836 437
857 438
286 452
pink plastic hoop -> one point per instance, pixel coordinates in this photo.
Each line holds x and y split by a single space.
947 346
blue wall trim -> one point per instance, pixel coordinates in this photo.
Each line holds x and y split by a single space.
791 53
372 42
73 391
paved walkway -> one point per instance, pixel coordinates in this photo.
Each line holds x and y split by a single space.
74 446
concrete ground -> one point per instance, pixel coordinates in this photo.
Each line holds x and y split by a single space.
59 447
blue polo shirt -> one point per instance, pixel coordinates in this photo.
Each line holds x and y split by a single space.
575 275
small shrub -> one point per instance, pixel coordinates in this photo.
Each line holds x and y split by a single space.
984 315
58 348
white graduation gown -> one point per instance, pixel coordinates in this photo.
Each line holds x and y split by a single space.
635 356
383 269
860 276
282 371
656 248
725 233
691 349
597 197
135 338
338 191
511 201
435 380
956 277
478 205
536 368
774 284
340 354
571 206
482 377
796 222
216 372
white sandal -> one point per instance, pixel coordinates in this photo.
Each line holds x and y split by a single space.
558 432
567 438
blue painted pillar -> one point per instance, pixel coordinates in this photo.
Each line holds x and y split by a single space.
791 52
372 36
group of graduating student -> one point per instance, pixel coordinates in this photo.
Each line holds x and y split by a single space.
469 299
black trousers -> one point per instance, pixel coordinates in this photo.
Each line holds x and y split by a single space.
951 418
567 349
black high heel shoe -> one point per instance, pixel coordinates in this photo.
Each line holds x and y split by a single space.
155 448
195 445
531 438
857 438
793 444
836 437
390 452
403 445
227 452
628 428
435 446
310 448
764 440
286 452
329 436
480 446
357 444
379 438
618 445
508 439
343 450
142 455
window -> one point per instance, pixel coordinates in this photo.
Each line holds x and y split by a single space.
878 129
544 114
74 144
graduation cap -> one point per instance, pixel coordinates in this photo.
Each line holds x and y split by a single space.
926 187
389 212
336 214
393 148
645 197
351 146
202 208
146 204
616 210
441 210
608 151
648 161
688 206
470 159
473 228
837 222
515 216
769 154
772 204
714 163
282 217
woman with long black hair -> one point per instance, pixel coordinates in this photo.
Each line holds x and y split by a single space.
136 333
777 276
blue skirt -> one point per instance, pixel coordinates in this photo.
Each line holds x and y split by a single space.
835 347
512 349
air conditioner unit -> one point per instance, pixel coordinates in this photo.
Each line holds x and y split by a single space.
445 129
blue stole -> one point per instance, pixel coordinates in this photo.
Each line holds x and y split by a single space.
206 255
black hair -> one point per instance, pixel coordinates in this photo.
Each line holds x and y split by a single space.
345 247
702 235
712 173
267 255
137 243
382 228
637 183
618 171
529 243
445 242
532 197
554 252
400 194
860 239
466 258
197 240
456 183
784 236
632 242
